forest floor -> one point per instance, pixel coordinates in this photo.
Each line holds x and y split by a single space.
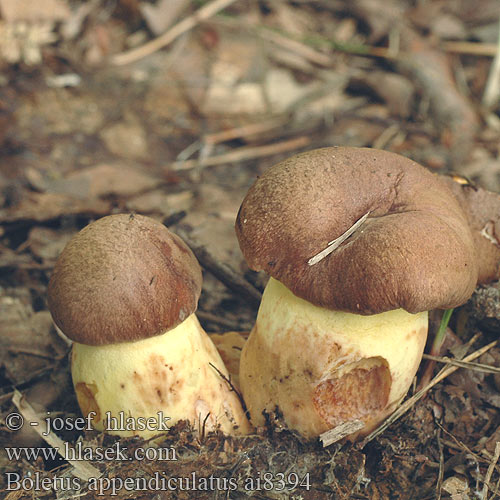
171 109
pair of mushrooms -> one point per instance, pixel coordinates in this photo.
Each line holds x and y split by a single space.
359 244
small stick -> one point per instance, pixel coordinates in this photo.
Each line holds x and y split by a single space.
439 485
221 270
471 48
81 468
490 470
340 432
478 367
202 430
244 131
334 244
34 377
459 445
202 14
492 90
386 136
445 372
233 389
242 154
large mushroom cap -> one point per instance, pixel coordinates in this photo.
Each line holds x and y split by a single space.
123 278
414 251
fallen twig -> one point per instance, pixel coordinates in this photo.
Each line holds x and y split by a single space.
431 70
244 153
478 367
221 270
245 131
471 48
492 89
180 28
232 388
439 485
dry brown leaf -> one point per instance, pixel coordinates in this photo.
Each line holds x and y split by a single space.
28 10
457 488
236 78
105 180
126 139
160 16
27 341
46 206
160 202
396 90
47 243
9 258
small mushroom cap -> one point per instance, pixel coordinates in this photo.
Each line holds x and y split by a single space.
414 251
123 278
482 208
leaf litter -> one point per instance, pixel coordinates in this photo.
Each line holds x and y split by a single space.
216 93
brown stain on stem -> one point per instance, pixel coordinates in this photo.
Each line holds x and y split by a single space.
359 394
85 394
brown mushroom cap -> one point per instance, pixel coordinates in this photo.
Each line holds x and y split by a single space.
415 251
482 209
123 278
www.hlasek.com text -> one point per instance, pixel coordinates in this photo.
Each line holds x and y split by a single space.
115 452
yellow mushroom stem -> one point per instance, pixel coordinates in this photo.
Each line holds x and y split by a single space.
170 377
322 368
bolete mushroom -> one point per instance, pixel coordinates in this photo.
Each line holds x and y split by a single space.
360 245
125 290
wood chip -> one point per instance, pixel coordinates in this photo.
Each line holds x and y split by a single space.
81 468
340 432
